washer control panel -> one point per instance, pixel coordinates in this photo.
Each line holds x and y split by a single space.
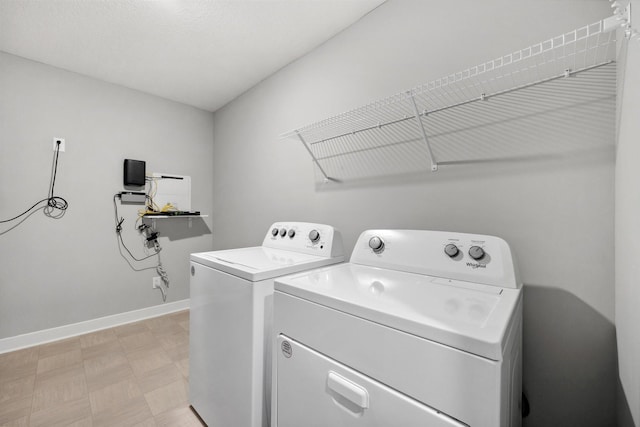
316 239
457 256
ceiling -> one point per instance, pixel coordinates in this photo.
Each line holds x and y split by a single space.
202 53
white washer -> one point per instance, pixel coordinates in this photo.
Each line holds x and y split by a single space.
231 319
420 328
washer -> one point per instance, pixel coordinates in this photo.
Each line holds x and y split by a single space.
420 328
231 319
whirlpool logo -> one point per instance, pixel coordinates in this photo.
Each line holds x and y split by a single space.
475 265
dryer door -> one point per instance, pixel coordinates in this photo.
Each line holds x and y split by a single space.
316 391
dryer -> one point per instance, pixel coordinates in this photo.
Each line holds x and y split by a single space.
420 328
230 328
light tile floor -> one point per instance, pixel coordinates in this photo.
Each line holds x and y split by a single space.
131 375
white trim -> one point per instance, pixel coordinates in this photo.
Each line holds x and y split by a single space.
47 335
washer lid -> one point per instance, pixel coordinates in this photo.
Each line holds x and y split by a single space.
468 316
259 262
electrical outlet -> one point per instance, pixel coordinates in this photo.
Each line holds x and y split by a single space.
55 144
157 282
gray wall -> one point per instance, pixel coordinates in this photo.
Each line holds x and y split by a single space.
61 271
627 233
556 212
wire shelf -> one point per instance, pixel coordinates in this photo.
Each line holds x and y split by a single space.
399 128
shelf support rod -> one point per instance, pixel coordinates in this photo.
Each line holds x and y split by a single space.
315 160
434 165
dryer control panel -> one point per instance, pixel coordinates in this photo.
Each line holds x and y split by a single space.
454 256
305 237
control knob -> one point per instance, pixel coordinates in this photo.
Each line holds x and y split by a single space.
274 232
476 252
314 236
283 232
451 250
292 233
376 244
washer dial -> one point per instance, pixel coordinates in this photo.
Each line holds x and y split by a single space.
451 250
314 236
274 232
376 244
476 252
283 232
292 233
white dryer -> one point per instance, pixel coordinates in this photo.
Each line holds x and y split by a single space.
420 328
230 330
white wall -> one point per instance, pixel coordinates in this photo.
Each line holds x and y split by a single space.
557 214
627 230
61 271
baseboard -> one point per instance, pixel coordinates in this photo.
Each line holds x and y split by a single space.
67 331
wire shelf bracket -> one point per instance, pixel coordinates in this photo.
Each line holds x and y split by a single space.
327 178
432 159
621 18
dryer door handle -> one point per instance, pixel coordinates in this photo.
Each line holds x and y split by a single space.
348 389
